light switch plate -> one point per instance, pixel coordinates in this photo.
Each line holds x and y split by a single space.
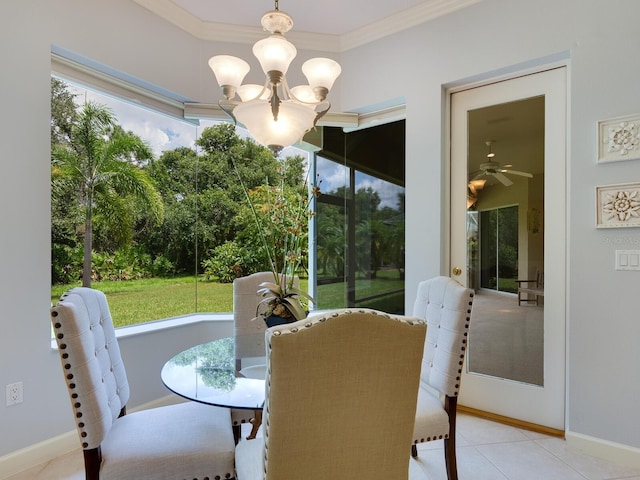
627 259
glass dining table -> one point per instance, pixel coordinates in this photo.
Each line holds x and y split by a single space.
211 373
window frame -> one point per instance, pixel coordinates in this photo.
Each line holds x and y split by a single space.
77 69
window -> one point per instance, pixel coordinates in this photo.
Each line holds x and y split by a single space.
150 270
498 248
172 294
357 260
360 219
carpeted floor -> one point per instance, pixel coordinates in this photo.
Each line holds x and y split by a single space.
506 340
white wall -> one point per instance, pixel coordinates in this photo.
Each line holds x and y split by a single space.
600 38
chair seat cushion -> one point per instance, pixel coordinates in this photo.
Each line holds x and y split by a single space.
187 440
249 459
432 421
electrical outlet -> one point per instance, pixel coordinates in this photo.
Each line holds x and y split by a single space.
14 393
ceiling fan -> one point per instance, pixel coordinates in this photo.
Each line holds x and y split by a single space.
495 169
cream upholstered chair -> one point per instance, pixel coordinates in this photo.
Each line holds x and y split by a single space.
248 330
186 440
446 307
340 399
248 334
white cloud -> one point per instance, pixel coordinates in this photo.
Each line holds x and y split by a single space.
160 131
387 191
335 175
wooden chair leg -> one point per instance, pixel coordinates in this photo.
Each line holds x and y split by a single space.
92 461
450 405
237 431
450 458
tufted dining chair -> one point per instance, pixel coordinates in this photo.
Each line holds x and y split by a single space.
333 380
446 307
248 334
186 440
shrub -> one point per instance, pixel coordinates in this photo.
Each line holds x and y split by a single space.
162 267
66 265
228 262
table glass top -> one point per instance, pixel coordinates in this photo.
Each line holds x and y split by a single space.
207 373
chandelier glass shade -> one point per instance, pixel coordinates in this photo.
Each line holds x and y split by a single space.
275 115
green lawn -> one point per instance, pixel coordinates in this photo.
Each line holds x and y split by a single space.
137 301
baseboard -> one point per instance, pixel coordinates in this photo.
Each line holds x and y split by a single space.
25 458
604 449
513 422
38 453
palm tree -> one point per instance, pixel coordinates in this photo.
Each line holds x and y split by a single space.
100 165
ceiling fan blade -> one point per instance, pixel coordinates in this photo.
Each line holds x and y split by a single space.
503 179
516 172
476 175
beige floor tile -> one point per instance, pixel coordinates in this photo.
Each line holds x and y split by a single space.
486 451
479 431
472 465
591 467
527 461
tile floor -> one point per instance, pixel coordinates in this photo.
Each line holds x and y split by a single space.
486 451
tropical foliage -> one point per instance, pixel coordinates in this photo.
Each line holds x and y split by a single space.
99 169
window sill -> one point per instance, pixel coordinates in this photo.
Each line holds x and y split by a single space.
159 325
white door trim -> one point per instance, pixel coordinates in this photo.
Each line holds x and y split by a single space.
544 406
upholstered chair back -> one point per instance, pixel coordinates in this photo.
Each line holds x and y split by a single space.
91 362
248 334
248 329
446 307
352 374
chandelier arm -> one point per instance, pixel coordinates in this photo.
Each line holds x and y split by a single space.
258 96
264 89
321 113
286 91
227 107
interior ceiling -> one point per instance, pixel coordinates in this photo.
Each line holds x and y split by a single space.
330 25
517 132
337 25
317 17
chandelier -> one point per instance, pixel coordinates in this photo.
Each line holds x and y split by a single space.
275 115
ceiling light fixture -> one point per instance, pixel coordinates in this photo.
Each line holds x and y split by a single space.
275 115
488 143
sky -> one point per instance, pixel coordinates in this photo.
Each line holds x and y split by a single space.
163 132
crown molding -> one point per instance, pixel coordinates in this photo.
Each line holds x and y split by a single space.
222 32
402 20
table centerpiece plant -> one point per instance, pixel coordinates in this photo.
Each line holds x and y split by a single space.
281 215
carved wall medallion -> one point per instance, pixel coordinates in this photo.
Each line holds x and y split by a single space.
618 205
619 139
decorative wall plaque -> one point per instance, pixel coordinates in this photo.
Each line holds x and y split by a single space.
619 139
618 205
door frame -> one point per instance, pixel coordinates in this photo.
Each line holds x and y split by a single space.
557 424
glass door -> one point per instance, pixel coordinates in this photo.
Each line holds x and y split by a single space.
507 222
